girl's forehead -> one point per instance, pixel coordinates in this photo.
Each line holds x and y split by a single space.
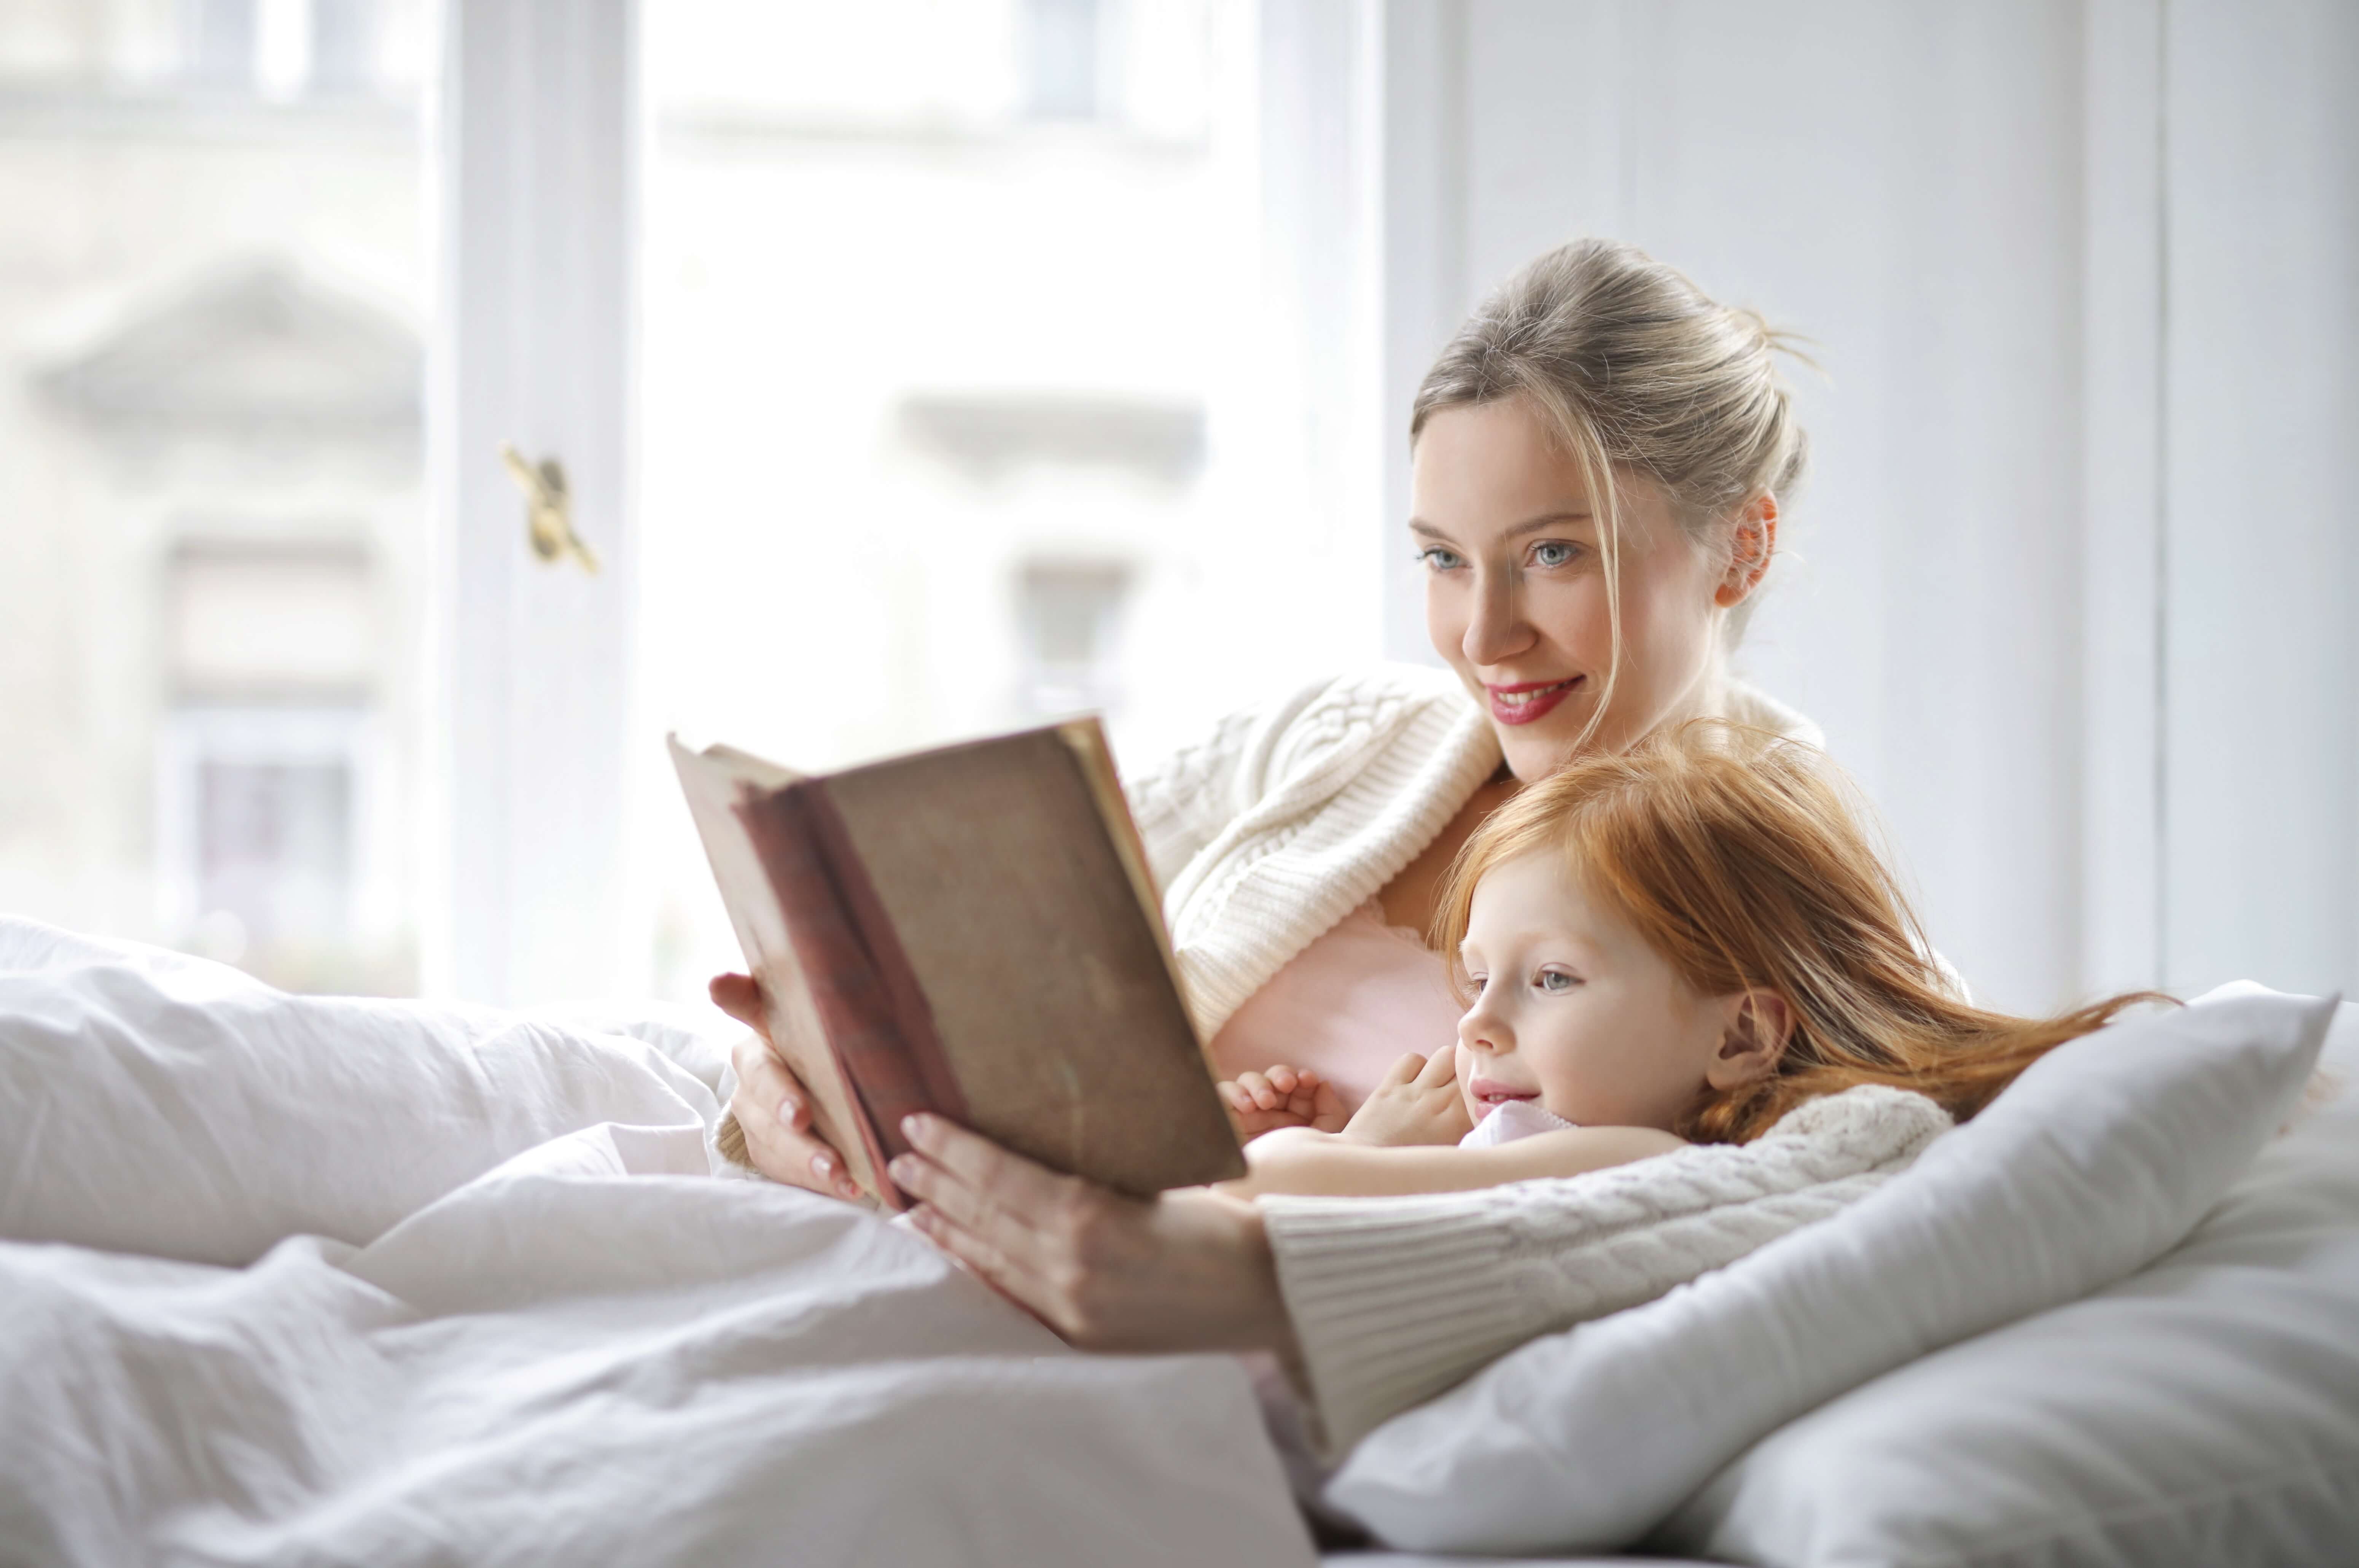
1535 896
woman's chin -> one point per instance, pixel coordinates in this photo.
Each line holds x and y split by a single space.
1534 751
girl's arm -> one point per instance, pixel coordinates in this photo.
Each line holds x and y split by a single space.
1320 1165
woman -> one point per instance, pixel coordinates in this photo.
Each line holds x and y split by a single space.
1599 459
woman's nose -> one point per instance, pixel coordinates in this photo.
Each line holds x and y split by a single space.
1497 631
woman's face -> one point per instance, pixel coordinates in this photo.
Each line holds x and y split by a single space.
1514 594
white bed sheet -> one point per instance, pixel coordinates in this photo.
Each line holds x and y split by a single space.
302 1281
591 1352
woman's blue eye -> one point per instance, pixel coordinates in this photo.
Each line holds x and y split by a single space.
1435 558
1554 553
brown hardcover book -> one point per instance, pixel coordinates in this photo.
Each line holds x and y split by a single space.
972 931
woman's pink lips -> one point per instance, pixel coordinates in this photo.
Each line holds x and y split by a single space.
1537 709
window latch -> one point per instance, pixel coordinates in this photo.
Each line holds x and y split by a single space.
548 509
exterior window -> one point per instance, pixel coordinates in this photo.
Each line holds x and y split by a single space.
224 38
1070 615
272 785
1061 58
344 46
273 852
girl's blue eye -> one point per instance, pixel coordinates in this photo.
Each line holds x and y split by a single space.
1554 553
1435 558
1554 981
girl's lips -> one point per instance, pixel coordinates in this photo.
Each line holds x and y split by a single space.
1490 1091
1529 702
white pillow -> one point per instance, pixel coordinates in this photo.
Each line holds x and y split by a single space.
152 1102
2097 1159
2205 1410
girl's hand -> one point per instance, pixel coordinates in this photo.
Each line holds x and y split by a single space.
1190 1271
772 1107
1283 1097
1419 1102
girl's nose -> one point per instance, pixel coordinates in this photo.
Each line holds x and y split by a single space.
1484 1029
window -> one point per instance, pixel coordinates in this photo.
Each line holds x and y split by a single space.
961 406
1061 58
213 574
1071 621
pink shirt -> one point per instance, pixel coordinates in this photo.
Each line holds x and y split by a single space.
1347 1007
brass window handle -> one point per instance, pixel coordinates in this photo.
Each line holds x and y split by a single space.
548 509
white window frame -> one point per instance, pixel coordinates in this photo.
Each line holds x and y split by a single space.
535 173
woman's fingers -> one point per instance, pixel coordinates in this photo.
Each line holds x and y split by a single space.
741 997
981 1186
764 1083
773 1110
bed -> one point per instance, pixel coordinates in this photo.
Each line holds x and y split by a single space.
325 1279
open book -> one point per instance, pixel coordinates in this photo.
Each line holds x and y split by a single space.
972 931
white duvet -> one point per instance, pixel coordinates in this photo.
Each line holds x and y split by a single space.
302 1281
315 1280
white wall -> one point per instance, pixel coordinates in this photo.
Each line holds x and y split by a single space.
2261 420
1959 205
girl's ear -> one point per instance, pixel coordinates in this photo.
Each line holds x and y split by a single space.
1754 1042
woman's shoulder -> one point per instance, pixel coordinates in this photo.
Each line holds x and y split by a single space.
1316 722
1300 746
1748 704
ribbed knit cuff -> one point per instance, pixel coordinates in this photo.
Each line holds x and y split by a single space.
1394 1300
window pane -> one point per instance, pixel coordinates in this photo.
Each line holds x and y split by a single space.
212 303
962 404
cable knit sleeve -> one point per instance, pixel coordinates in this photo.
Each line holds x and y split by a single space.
1395 1300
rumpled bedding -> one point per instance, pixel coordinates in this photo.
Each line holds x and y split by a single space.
301 1280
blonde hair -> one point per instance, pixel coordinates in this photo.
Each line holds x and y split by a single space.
1735 855
1635 372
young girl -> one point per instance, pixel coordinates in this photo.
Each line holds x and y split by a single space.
1679 943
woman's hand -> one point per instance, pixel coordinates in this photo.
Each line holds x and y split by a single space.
1190 1271
772 1107
1419 1102
1283 1097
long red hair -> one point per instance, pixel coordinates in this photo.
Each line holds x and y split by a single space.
1736 855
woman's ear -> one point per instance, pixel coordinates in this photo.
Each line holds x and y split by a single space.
1751 546
1753 1041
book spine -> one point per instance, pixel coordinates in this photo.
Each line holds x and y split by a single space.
862 983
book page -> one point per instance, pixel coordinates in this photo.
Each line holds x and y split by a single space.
716 783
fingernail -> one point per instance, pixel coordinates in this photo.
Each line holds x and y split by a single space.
822 1167
786 1108
902 1168
913 1126
848 1188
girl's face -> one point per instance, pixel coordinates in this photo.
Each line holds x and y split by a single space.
1575 1011
1515 595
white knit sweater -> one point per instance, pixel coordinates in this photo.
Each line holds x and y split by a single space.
1396 1299
1291 816
1263 837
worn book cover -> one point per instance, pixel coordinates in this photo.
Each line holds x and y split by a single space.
972 931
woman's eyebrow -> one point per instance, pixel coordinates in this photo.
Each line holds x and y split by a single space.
1420 526
1549 520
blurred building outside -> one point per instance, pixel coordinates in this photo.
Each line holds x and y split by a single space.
958 410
